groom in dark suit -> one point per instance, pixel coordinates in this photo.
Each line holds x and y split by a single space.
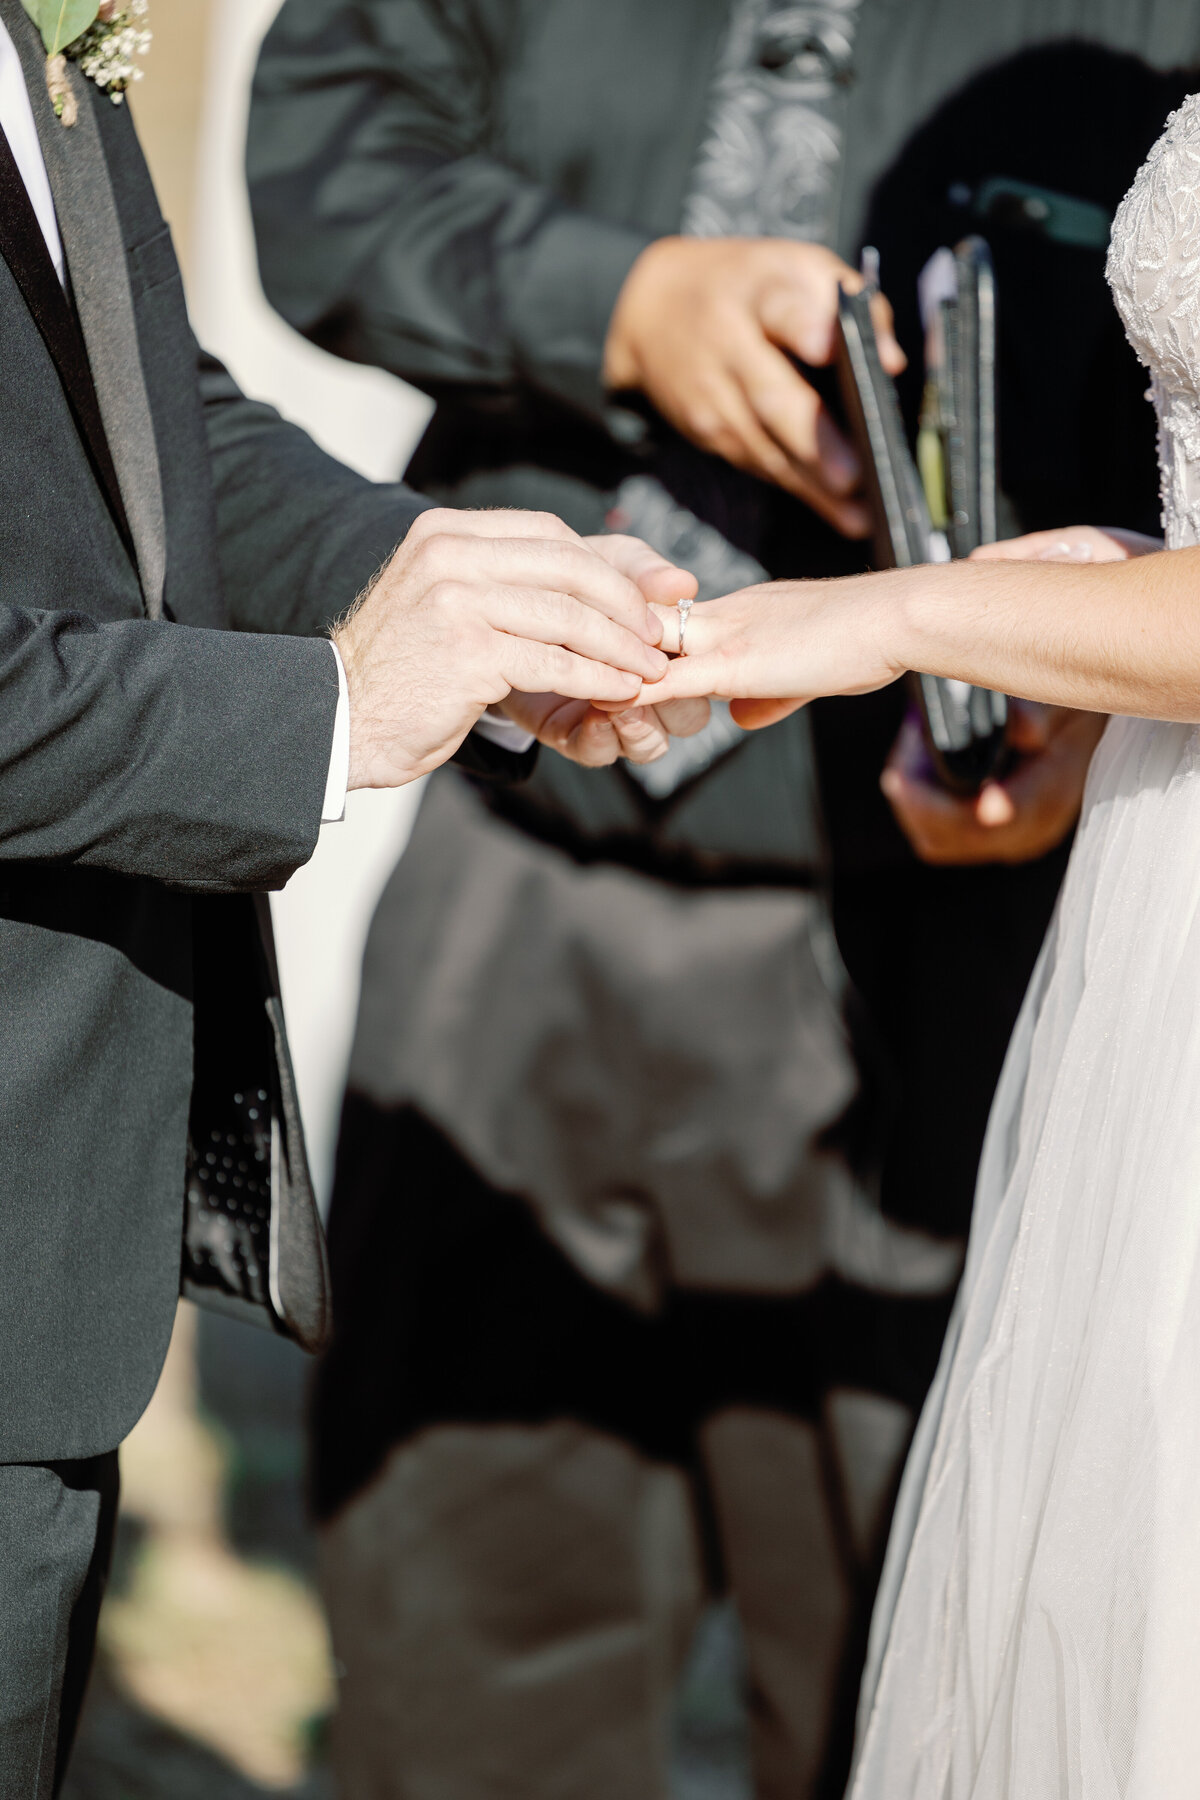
157 771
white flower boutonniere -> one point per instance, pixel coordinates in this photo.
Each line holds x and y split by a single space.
105 37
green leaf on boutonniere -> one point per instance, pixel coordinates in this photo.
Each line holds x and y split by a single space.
61 21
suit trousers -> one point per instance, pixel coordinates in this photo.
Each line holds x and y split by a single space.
57 1522
528 1491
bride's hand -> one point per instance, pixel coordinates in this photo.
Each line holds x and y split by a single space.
772 648
1118 636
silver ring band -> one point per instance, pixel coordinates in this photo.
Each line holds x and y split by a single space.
684 608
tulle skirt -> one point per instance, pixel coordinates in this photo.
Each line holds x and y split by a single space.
1037 1634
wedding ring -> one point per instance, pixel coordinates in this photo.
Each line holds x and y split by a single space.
684 608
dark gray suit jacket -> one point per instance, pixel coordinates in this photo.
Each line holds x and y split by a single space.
156 772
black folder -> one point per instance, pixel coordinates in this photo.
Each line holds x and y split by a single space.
965 727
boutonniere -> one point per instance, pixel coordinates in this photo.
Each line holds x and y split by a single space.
105 37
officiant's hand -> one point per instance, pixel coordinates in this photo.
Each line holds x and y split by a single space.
1016 820
707 329
475 605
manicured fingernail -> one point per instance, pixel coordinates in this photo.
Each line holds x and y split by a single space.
1065 552
994 807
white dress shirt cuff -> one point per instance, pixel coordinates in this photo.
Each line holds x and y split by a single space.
339 757
505 732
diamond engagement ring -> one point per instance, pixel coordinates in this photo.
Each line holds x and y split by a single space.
684 608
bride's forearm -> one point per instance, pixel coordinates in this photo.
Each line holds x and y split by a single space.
1118 637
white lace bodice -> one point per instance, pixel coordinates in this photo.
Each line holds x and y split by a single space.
1154 273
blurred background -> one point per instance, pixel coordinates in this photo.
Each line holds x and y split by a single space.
214 1677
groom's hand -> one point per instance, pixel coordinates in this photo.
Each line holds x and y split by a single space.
470 607
576 730
640 734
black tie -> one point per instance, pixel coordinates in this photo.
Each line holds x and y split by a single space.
24 249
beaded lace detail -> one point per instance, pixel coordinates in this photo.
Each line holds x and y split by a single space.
1154 273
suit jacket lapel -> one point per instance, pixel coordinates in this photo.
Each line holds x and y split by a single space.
24 250
95 251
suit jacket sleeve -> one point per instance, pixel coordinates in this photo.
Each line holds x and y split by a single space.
299 534
192 757
199 757
389 234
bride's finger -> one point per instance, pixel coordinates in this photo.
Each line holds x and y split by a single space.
755 715
658 579
687 678
702 632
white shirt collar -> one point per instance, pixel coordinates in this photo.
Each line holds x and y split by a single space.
16 117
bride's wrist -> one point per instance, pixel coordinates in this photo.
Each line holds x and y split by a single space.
887 619
921 609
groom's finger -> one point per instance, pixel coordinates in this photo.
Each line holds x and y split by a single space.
490 522
640 734
554 618
657 578
558 567
534 668
684 718
449 556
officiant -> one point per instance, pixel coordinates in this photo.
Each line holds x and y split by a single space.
669 1082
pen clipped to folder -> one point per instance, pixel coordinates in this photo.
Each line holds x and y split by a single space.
942 503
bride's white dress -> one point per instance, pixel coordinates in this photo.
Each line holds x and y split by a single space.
1037 1635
